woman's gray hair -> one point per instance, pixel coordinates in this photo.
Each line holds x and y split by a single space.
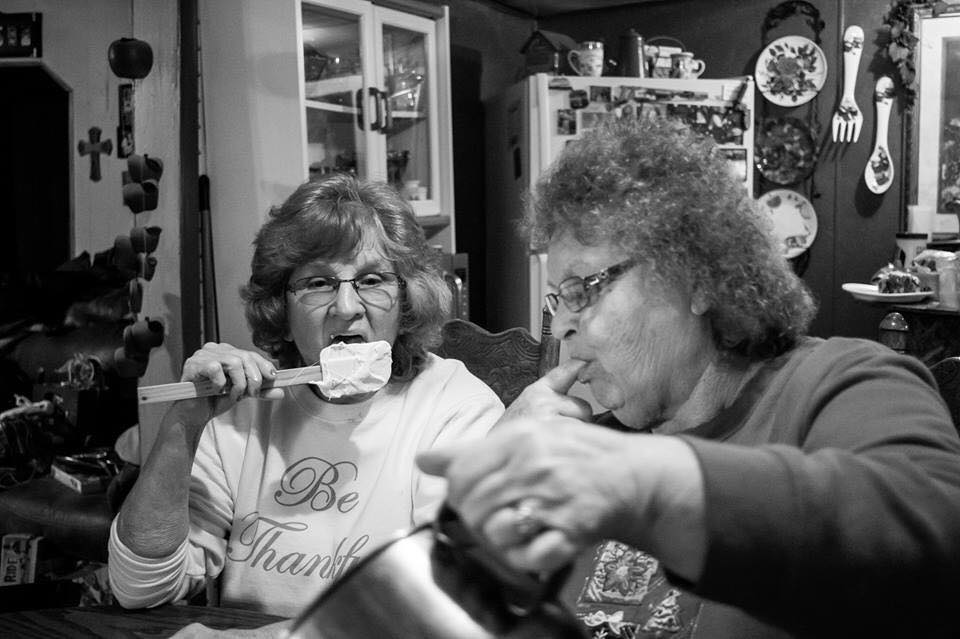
330 219
664 195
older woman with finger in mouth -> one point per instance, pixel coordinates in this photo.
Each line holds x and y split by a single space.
749 480
277 493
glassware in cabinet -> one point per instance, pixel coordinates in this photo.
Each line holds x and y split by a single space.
333 90
376 101
408 102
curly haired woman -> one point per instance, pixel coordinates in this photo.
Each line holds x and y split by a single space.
749 480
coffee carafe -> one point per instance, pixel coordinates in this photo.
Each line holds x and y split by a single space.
631 55
436 582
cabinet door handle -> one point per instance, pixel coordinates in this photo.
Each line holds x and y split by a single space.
358 100
387 125
376 124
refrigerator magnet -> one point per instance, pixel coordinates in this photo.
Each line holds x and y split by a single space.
566 122
578 99
600 94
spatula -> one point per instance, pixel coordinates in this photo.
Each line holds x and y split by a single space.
205 388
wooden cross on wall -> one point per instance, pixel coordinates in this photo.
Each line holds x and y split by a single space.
94 147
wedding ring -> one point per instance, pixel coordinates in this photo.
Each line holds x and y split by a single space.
525 523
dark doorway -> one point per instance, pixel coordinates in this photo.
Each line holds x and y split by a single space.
34 179
468 179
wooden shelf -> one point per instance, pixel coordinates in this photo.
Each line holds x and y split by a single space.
342 84
409 115
330 107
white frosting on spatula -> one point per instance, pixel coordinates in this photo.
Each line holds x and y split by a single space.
354 369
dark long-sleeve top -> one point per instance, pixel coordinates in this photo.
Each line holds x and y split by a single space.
832 494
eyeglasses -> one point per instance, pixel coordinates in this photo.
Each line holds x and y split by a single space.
578 293
376 289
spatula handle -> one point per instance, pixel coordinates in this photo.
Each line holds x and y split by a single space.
205 388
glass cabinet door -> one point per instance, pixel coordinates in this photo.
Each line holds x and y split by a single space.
334 91
372 98
408 101
407 61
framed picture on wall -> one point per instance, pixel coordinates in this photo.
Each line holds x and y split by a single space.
936 120
125 143
21 35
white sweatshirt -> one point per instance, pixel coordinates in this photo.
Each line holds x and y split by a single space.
287 495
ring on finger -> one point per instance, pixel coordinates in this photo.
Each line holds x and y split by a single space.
525 521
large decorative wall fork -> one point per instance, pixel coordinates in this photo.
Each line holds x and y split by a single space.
848 119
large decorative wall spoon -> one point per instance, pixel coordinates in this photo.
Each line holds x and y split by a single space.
878 174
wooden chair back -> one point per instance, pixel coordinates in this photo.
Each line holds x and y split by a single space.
507 361
947 374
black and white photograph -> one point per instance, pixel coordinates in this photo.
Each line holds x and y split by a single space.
566 122
446 319
600 94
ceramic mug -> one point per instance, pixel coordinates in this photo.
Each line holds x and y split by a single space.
141 336
587 60
140 197
144 239
684 65
144 167
128 366
909 245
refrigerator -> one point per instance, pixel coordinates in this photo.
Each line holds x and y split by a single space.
528 125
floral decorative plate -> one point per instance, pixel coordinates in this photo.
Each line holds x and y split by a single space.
794 220
785 152
791 70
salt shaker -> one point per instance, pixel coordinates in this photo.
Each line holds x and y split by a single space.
894 331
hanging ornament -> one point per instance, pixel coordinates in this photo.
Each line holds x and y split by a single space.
130 58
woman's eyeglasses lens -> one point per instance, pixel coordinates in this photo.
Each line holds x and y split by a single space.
377 289
574 294
577 292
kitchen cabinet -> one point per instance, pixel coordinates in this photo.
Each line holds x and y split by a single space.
297 88
376 101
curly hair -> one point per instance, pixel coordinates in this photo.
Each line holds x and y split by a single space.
330 219
662 193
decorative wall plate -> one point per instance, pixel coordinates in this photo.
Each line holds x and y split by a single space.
785 151
791 70
794 219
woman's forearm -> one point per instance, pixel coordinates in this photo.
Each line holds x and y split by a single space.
154 519
673 530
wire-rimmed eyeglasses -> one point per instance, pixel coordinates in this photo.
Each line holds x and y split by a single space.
378 289
578 293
